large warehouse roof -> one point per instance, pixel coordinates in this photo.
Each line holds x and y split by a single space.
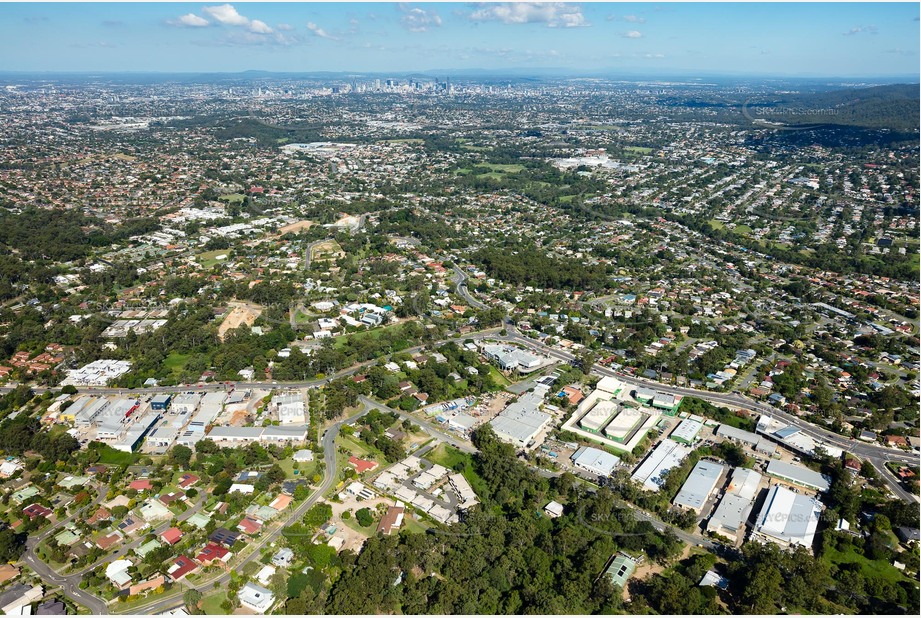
798 475
697 489
663 458
594 460
789 518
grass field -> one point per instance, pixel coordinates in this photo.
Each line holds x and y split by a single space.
869 568
176 362
209 258
212 604
742 229
305 470
233 198
498 377
448 456
374 333
716 225
642 150
112 457
505 168
405 140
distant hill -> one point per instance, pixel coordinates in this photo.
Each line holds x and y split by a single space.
894 107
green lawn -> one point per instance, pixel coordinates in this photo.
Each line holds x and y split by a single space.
498 377
505 168
175 362
869 568
305 471
405 140
209 259
212 605
638 149
493 175
448 456
374 333
112 457
742 229
233 198
716 225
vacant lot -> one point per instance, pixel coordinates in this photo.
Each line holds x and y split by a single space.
294 228
241 313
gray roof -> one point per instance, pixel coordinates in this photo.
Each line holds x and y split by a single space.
789 517
700 484
600 462
798 474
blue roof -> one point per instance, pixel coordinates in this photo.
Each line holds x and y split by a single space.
786 432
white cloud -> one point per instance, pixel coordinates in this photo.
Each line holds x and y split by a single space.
320 32
226 14
634 19
860 30
553 14
190 20
415 19
259 27
284 27
633 34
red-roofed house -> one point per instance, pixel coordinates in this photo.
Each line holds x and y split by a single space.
140 485
362 465
249 526
213 552
187 480
281 502
182 566
172 535
36 510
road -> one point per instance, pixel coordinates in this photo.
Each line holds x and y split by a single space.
429 428
174 599
69 583
460 283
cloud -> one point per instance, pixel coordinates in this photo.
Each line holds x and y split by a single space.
900 52
415 19
190 20
225 14
284 27
259 27
553 14
320 32
634 19
860 30
633 34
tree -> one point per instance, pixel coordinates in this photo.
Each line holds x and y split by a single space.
11 545
364 517
192 598
180 455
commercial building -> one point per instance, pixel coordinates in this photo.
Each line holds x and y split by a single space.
160 402
290 408
798 475
509 358
599 415
666 455
793 437
757 443
521 422
687 430
788 518
595 461
699 485
733 510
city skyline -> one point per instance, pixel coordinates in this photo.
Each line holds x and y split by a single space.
870 40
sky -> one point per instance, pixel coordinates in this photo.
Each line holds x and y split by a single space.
783 39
